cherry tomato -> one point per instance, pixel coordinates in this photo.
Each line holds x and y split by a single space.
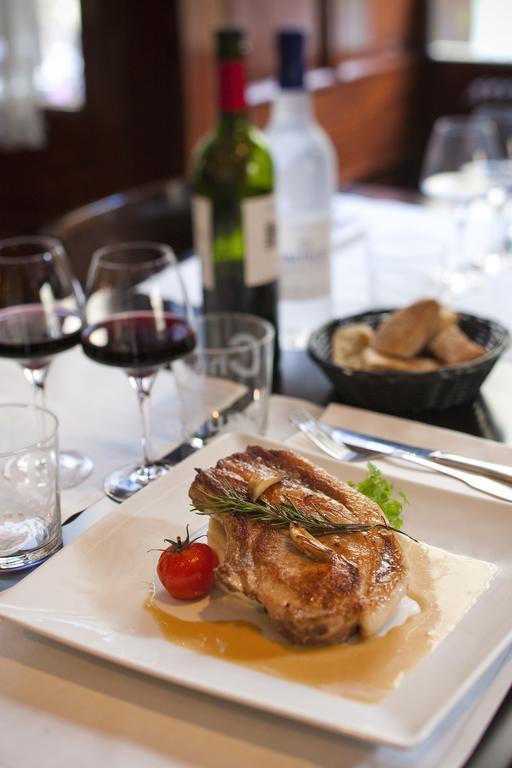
187 568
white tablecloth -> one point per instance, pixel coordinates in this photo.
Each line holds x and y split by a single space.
59 707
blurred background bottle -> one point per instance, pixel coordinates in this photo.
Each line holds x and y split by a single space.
233 204
306 178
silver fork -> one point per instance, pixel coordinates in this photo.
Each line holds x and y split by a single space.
313 430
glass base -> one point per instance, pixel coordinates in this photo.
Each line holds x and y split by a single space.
453 284
494 263
20 560
123 483
74 467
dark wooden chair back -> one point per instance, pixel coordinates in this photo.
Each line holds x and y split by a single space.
158 212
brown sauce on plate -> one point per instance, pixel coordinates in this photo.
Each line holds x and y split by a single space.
443 585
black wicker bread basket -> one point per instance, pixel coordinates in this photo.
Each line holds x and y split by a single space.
399 391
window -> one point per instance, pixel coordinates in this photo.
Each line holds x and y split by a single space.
59 78
470 30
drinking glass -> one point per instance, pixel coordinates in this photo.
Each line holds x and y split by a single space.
499 176
30 527
403 269
224 383
501 115
138 318
500 173
41 306
451 174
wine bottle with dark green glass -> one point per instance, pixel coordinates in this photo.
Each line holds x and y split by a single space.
233 203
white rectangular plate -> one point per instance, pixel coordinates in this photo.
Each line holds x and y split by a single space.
91 596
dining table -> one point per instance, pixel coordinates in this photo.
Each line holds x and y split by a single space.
61 706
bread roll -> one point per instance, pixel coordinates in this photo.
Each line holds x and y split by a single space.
406 332
374 361
446 317
452 346
348 342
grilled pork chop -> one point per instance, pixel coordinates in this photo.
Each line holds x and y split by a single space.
316 591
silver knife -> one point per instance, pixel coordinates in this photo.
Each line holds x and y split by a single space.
370 443
326 441
207 430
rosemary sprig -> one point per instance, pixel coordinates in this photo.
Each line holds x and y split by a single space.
281 515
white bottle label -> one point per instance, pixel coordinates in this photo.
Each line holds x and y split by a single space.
259 228
203 237
304 252
259 233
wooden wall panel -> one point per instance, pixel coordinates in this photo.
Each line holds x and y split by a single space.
363 27
395 23
262 18
371 121
454 97
368 49
198 21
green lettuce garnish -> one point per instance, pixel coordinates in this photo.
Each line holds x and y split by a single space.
378 489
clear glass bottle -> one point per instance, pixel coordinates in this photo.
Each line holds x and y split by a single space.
306 178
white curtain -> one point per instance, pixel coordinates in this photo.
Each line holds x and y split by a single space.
21 118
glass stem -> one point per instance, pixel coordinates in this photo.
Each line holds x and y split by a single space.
142 386
500 224
461 215
37 379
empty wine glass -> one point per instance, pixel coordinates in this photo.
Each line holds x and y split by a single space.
452 174
138 318
41 306
501 115
499 176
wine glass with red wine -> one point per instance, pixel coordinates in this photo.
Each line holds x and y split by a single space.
138 318
41 306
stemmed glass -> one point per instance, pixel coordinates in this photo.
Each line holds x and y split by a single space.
501 115
499 176
452 173
40 315
138 318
